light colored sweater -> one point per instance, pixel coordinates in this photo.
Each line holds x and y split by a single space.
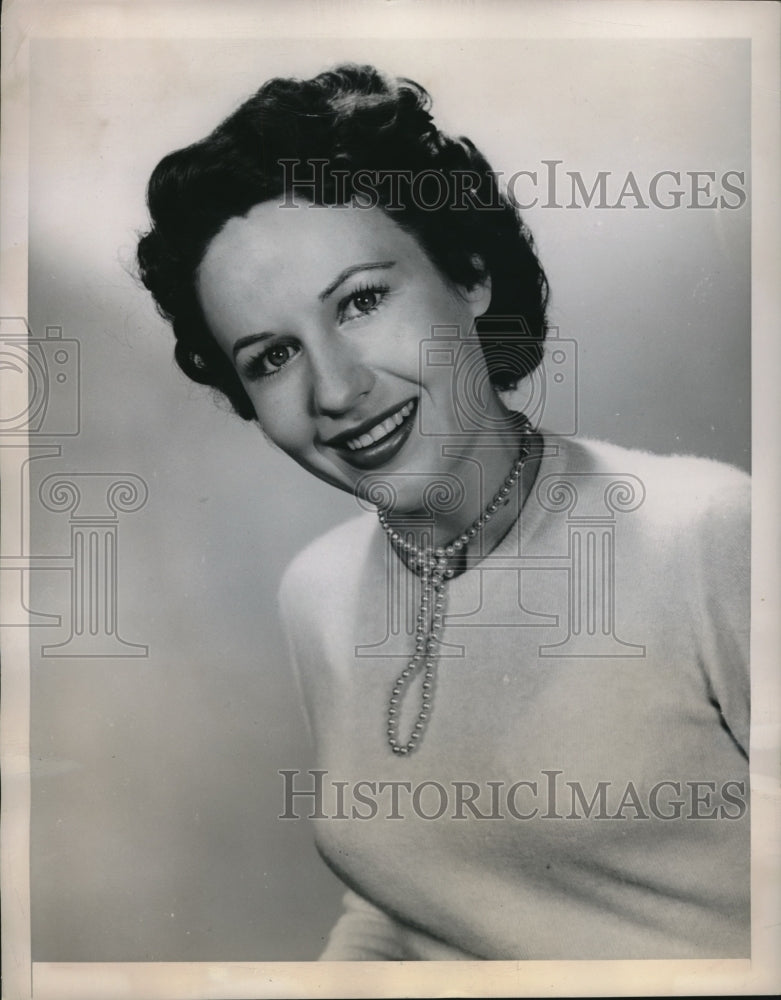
598 657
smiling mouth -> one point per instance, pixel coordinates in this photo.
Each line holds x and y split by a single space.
381 430
381 441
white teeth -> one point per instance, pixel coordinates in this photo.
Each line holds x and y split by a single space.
381 430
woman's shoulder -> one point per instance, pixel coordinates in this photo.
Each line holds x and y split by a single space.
684 488
325 565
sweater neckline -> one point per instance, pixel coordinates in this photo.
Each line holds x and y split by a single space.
554 460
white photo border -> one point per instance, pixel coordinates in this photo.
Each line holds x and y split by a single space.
26 21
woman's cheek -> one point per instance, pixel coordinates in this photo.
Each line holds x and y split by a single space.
281 414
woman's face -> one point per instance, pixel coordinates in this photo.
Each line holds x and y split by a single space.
323 310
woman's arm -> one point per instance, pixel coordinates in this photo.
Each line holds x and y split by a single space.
364 933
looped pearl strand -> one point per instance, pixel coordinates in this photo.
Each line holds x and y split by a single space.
433 567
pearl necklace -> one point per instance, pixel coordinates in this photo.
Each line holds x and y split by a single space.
433 567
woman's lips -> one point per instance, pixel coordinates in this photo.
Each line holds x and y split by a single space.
368 451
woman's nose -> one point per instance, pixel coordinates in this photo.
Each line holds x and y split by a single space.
339 379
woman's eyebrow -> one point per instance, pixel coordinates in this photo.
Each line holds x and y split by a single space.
252 338
349 271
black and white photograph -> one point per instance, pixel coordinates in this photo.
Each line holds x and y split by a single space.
390 463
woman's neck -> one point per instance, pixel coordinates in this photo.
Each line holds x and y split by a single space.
484 474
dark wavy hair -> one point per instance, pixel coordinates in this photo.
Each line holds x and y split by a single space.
334 139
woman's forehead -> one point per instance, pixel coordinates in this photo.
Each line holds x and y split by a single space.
276 237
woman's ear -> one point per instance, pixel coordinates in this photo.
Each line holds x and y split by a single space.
479 295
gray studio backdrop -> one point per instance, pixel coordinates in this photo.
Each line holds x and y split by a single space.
155 788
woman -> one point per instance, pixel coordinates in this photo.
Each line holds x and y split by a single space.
527 685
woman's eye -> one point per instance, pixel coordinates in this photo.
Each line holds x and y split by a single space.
362 302
365 301
277 356
270 361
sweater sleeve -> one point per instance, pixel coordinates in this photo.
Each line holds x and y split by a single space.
365 933
723 553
